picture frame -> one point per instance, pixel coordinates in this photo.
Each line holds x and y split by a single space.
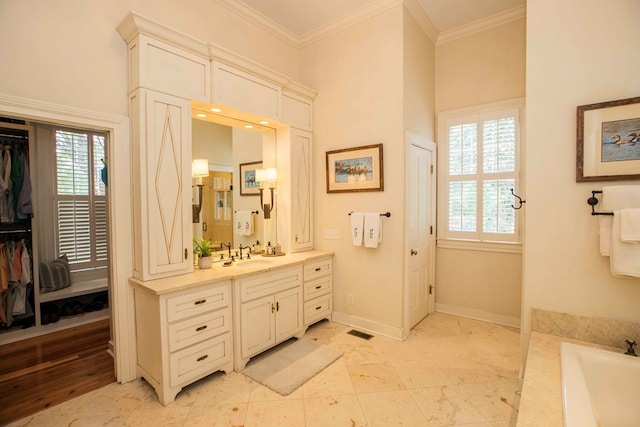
355 169
247 176
608 141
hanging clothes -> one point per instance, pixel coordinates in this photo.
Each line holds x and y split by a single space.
5 177
25 206
16 179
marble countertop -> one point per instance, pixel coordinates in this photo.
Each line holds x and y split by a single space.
541 400
218 272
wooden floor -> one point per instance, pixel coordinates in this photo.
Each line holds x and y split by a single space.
41 372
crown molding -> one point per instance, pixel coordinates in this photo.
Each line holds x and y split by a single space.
347 21
260 20
482 24
422 19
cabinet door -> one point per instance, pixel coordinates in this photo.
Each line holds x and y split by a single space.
301 212
288 313
168 185
257 326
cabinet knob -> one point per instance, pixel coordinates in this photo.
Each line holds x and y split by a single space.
201 358
273 308
201 328
319 307
319 268
186 253
201 301
319 286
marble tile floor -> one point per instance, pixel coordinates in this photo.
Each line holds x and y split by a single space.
451 371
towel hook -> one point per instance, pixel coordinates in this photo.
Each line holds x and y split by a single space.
520 201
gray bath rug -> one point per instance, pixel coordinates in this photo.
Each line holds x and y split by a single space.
289 365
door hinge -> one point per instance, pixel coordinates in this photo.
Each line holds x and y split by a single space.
431 169
431 229
430 289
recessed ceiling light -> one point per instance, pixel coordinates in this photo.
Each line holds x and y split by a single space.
248 126
201 115
216 110
264 122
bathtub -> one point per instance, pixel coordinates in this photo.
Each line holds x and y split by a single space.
600 388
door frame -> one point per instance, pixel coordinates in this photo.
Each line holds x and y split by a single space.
123 345
422 142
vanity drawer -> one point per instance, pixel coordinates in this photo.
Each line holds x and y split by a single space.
200 359
317 287
198 302
263 284
191 331
316 269
317 309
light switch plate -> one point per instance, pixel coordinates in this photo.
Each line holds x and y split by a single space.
331 234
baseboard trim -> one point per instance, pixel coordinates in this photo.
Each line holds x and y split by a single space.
471 313
368 326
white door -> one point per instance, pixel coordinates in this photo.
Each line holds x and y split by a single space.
420 229
257 325
288 313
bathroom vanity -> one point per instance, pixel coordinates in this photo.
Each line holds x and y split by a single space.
192 325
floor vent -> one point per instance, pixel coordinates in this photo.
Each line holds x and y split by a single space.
359 334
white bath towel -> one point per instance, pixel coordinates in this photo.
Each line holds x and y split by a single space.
244 223
357 225
624 257
372 229
615 197
630 225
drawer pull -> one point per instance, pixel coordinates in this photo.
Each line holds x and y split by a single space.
200 301
319 286
318 307
201 328
201 358
319 268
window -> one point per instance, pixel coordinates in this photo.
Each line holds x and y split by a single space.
479 169
80 199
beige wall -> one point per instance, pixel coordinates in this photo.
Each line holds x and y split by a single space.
358 74
69 52
419 80
479 69
574 57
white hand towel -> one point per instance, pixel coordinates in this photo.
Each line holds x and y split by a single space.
624 257
630 225
372 229
357 225
615 197
244 223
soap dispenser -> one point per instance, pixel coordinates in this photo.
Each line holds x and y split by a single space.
269 249
257 248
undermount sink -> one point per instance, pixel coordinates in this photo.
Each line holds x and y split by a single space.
599 387
255 263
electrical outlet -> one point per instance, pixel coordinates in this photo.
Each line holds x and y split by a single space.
331 234
350 299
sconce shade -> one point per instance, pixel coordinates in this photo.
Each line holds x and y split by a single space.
199 168
261 175
271 175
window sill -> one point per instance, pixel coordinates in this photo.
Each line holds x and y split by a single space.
478 246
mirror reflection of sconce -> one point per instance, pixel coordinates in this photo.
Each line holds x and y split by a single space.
269 175
199 169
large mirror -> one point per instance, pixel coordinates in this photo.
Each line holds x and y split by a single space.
232 148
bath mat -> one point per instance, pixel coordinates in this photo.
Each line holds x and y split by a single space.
289 365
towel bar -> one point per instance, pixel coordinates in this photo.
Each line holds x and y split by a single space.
593 201
387 214
253 212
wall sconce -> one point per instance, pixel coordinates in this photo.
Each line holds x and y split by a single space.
199 169
269 175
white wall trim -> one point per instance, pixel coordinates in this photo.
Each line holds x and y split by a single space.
120 225
303 40
483 24
500 319
367 325
423 20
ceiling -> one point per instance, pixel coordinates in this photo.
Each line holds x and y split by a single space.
303 17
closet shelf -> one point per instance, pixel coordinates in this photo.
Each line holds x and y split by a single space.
76 289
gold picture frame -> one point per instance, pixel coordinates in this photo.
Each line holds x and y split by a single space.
355 169
608 141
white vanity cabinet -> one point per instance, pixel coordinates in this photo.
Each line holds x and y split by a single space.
267 311
318 285
183 336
